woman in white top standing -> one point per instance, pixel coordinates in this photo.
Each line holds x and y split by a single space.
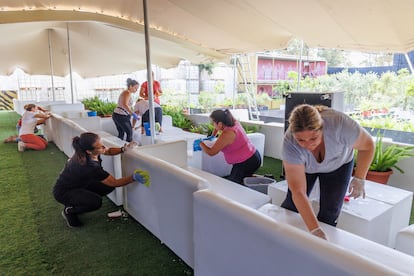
32 117
123 112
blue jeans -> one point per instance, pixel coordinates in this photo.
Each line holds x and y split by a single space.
333 187
123 125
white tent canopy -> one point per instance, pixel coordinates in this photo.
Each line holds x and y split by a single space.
199 30
97 49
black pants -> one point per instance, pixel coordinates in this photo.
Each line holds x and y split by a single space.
87 199
245 169
333 187
123 125
157 115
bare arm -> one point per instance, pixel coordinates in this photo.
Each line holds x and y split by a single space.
134 121
41 109
42 118
125 101
365 146
113 151
143 93
159 91
226 138
296 178
42 115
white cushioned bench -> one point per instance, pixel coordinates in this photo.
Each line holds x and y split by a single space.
405 240
378 217
233 239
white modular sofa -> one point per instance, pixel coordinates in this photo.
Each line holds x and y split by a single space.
378 217
166 207
405 240
18 105
222 228
233 239
61 131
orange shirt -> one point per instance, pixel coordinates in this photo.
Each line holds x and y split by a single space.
156 88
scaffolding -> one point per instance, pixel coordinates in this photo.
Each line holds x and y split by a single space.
247 85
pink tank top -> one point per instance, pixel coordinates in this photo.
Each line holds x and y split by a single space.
241 149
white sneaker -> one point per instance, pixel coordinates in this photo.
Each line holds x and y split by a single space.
117 214
21 146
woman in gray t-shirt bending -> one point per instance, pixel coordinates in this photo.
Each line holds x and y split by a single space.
319 143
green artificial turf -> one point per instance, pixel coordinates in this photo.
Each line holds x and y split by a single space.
34 237
272 167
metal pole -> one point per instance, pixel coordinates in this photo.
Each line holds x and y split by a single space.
149 73
300 66
407 58
187 87
51 62
70 62
235 80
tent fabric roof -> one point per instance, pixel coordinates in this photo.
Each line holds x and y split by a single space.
200 30
96 49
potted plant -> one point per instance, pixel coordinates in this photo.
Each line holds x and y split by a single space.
102 108
385 159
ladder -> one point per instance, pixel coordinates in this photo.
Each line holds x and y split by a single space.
246 85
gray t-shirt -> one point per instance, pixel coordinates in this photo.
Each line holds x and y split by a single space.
339 133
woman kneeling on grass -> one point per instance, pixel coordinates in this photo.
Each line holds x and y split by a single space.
30 119
82 183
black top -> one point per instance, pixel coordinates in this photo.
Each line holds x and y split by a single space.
77 176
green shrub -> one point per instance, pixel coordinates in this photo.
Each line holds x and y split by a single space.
102 108
206 129
178 117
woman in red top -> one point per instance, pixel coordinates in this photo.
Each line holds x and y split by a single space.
156 87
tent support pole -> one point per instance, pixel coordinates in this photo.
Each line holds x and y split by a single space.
149 73
407 58
49 33
300 66
70 62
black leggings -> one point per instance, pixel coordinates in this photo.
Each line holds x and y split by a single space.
157 115
333 188
245 169
123 125
87 199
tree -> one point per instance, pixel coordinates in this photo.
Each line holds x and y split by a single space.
334 57
208 67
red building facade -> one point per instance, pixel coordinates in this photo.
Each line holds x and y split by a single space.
270 70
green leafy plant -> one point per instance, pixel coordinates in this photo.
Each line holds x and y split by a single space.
387 157
250 128
206 66
102 108
206 129
178 118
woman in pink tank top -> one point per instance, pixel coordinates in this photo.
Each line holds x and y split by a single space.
233 142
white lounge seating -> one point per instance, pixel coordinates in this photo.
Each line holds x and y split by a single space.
405 240
221 228
233 239
378 217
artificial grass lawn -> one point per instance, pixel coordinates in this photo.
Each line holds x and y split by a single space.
34 237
